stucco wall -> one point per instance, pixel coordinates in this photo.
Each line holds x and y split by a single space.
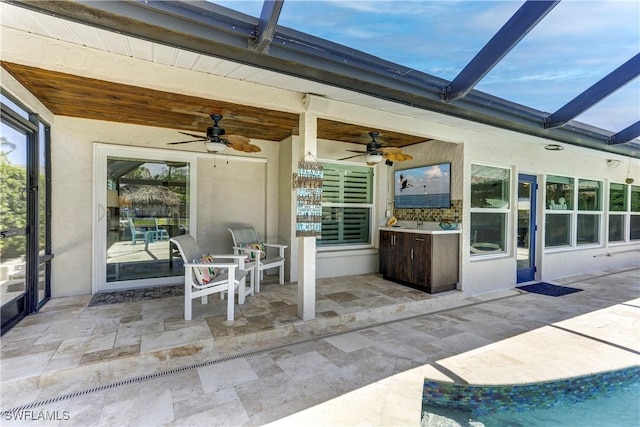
224 192
523 154
221 202
71 204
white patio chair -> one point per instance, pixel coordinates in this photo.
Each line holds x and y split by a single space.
246 241
231 277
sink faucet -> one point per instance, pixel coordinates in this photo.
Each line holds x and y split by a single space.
418 220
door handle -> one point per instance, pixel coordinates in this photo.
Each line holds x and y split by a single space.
412 254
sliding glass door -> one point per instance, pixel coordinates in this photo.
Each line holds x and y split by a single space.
13 221
144 199
25 249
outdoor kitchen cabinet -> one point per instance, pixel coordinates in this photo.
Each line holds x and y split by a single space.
393 250
420 259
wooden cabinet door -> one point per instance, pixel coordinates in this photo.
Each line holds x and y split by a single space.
445 253
386 252
421 260
402 257
395 262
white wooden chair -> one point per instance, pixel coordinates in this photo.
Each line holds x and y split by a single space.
231 279
246 241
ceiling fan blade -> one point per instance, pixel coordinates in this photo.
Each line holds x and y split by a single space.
351 157
184 142
398 157
356 151
391 150
238 138
236 146
193 135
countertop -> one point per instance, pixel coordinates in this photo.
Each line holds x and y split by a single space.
427 229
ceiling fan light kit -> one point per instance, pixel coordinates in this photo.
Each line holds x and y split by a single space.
373 159
215 147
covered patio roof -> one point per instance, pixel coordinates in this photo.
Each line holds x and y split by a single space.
203 36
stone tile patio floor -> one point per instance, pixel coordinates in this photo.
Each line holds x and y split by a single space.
362 361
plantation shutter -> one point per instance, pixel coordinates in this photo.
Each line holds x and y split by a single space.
347 204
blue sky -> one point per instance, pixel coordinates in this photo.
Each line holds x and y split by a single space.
573 47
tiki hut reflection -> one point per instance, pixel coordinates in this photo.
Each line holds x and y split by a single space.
148 200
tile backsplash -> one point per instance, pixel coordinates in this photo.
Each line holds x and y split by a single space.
454 213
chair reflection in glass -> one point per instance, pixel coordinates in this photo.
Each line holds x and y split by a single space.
161 233
137 234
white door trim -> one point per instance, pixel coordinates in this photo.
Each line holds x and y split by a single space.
100 154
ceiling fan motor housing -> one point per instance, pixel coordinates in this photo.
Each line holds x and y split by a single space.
213 132
374 148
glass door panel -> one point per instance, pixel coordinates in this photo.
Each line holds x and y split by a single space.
13 220
147 203
44 216
526 228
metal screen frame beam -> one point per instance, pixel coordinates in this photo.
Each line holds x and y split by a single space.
268 23
518 26
596 93
626 134
213 30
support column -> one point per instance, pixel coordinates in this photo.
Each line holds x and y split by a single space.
307 245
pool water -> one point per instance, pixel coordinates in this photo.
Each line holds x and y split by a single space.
617 409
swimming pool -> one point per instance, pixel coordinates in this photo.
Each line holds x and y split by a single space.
602 400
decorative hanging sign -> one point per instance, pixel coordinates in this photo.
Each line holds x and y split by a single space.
308 185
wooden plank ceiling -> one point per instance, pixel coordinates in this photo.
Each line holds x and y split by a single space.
76 96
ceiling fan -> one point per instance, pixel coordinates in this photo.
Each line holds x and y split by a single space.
376 152
214 143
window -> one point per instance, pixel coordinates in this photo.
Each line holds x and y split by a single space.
347 205
634 228
618 206
589 211
490 203
573 212
559 198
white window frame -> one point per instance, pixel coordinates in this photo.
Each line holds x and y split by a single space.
370 206
599 213
625 214
631 212
574 212
506 211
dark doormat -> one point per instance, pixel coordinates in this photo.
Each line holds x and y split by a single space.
132 295
544 288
